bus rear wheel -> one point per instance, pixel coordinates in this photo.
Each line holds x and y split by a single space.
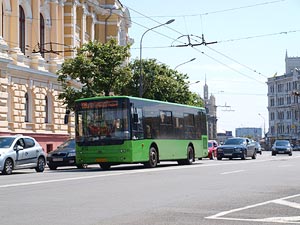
105 166
153 158
190 157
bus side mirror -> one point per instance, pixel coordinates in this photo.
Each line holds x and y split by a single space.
135 118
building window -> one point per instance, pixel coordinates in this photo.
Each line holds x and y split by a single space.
289 115
272 129
288 129
289 100
280 101
2 21
46 109
272 117
280 115
42 35
21 29
26 107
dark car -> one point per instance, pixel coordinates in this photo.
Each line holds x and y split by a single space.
258 147
296 148
237 148
64 155
282 147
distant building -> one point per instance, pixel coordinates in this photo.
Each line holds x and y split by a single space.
211 109
222 137
283 104
250 132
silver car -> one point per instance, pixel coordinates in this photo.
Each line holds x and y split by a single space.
21 152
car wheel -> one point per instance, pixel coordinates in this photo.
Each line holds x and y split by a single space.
51 167
8 167
290 154
273 153
40 165
219 158
153 158
244 155
254 155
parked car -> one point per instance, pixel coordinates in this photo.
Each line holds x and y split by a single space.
21 152
258 147
212 149
237 148
296 148
64 155
282 147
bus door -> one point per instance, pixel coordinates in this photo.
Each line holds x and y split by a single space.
137 123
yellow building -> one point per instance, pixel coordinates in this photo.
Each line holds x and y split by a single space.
35 38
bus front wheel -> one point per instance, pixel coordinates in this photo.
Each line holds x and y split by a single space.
153 158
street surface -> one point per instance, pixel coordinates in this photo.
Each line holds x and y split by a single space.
231 192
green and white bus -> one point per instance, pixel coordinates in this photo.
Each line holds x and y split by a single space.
114 130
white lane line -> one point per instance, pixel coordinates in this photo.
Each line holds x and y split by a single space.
230 172
287 203
292 219
280 220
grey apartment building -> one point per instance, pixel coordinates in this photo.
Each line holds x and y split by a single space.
283 103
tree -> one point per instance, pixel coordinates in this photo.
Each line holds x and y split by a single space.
161 83
97 69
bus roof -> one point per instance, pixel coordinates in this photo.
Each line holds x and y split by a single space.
135 98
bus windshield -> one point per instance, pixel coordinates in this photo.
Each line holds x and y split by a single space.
98 121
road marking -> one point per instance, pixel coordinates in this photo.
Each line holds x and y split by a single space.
135 172
281 201
287 203
230 172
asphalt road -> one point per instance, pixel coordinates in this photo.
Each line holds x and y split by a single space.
261 191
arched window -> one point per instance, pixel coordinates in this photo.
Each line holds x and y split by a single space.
46 109
21 29
42 34
26 107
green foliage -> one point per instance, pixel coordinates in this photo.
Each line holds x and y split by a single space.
98 69
161 83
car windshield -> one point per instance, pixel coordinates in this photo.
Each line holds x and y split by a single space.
282 143
6 142
234 142
68 144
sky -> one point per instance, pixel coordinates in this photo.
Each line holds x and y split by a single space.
250 40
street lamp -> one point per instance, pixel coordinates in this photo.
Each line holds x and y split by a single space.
198 81
264 123
184 63
141 64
